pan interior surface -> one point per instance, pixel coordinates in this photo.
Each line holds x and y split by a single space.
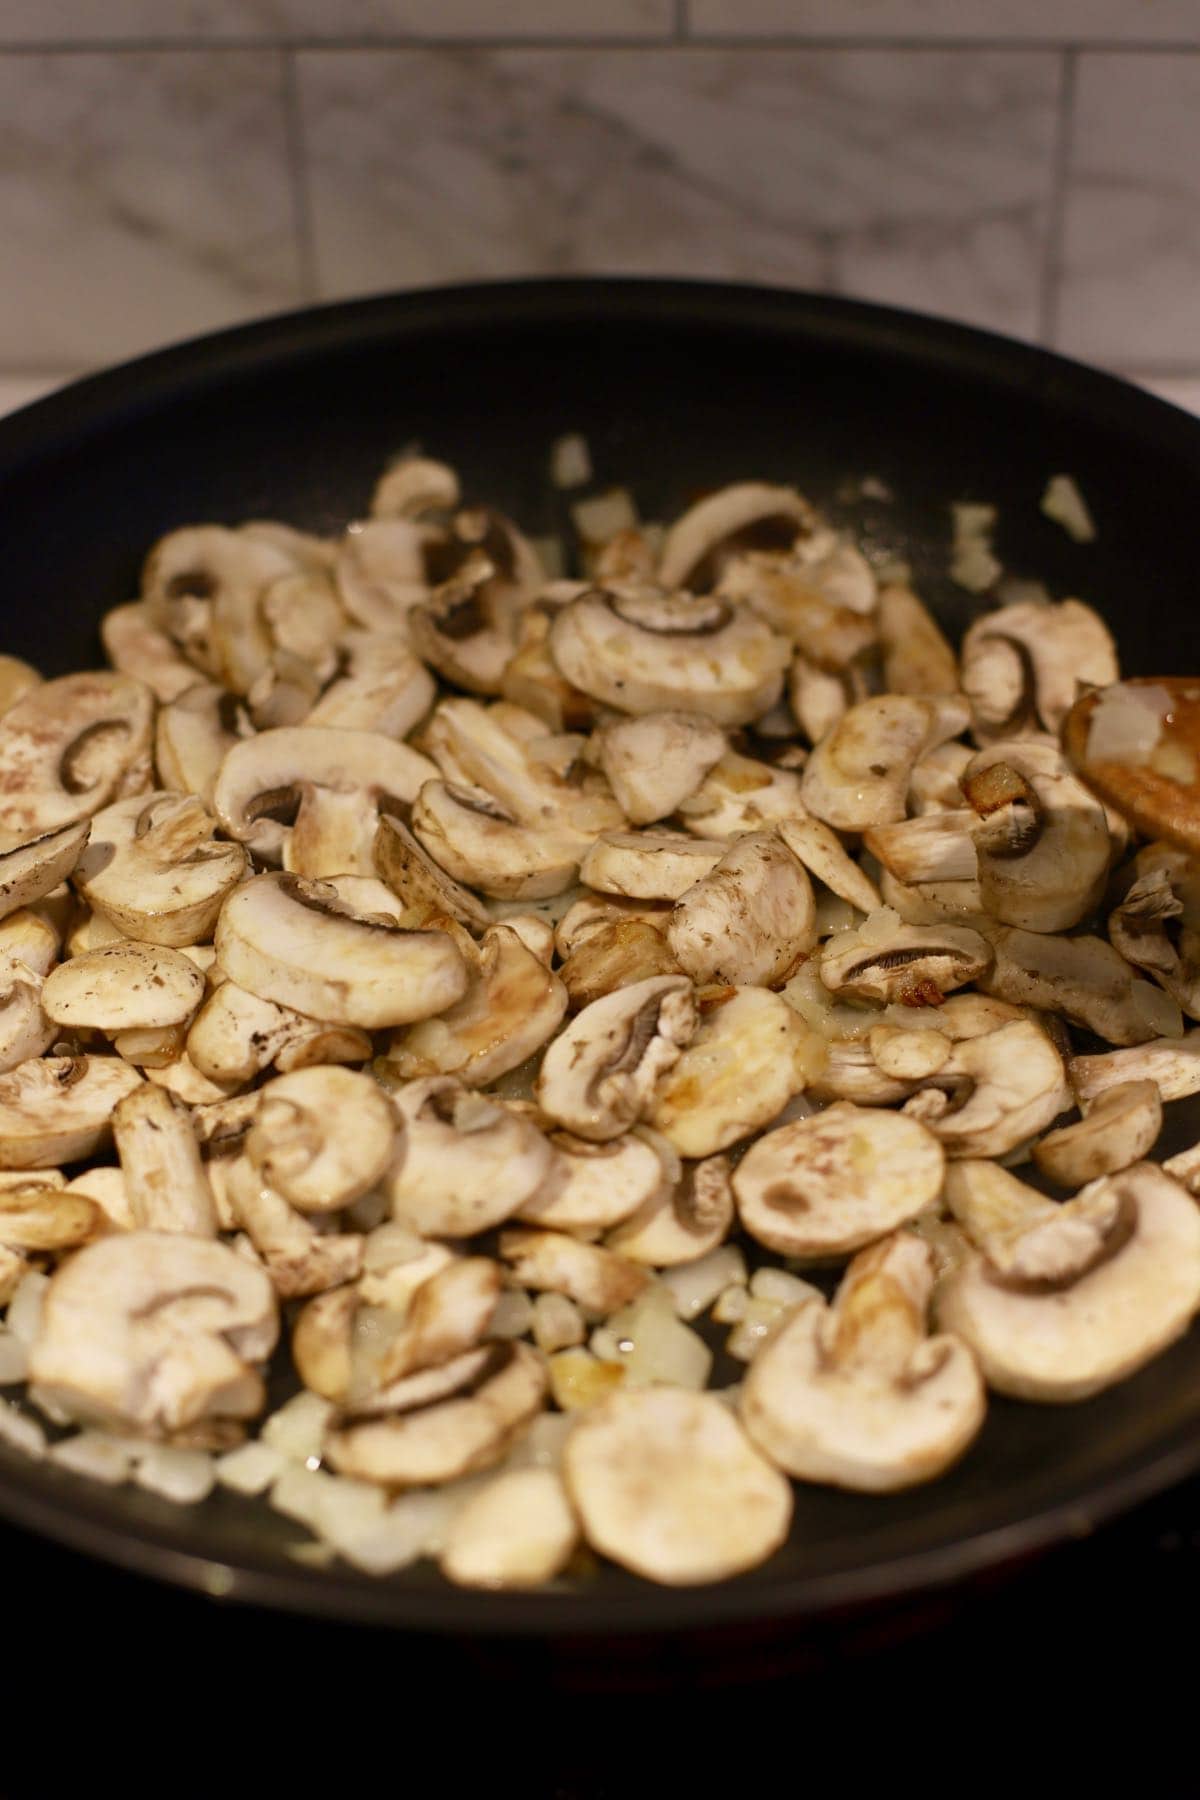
677 389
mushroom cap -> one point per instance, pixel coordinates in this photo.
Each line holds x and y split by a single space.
749 919
466 1163
913 964
823 1187
742 516
590 1187
648 865
154 868
322 1136
517 1532
667 1483
858 774
656 761
597 1077
1024 665
1041 839
123 987
65 749
30 870
687 1218
58 1109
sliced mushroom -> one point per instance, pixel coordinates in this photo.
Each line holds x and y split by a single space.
1083 1293
592 912
29 871
1121 1128
741 794
598 1280
858 774
656 761
449 1314
936 781
823 1187
590 1187
321 1137
299 1259
855 1393
805 598
1024 666
668 1485
1041 839
443 1423
749 1057
904 1055
615 956
916 965
204 585
935 847
477 840
995 1093
644 651
466 1163
1081 978
235 1036
461 633
136 646
417 881
307 621
16 680
1156 927
124 987
512 1007
819 700
687 1218
28 947
531 679
40 1219
749 919
67 748
160 1162
648 865
820 850
154 869
59 1109
413 486
518 1532
155 1332
747 515
1172 1064
380 571
383 688
599 1075
295 942
916 657
194 734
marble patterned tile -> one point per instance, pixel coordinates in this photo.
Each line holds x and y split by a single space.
1130 286
1078 21
143 197
917 178
106 21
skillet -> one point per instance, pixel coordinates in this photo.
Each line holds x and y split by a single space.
677 387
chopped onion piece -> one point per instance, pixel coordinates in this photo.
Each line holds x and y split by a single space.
730 1305
570 461
251 1468
746 1339
184 1476
557 1323
14 1359
695 1285
513 1316
21 1432
1063 502
25 1307
776 1284
579 1379
541 1447
599 520
298 1429
96 1455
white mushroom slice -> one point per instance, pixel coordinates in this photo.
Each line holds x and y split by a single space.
1024 666
299 1259
656 761
385 689
535 932
123 987
446 1422
821 852
667 1484
599 1075
598 1280
594 911
914 964
135 645
477 840
183 1079
204 584
823 1187
518 1532
449 1314
59 1109
337 782
935 783
1041 839
818 699
933 902
851 1072
154 869
615 956
413 486
1081 978
916 657
512 1007
16 680
67 748
28 947
858 774
462 632
806 599
193 735
235 1036
295 942
105 1187
321 1137
746 1061
937 846
380 571
160 1162
150 1046
1098 1289
306 619
740 794
687 1218
418 882
648 865
466 1163
370 897
30 870
1155 926
155 1332
1121 1128
855 1393
396 1263
747 515
1000 1091
323 1342
1172 1064
643 651
590 1187
39 1219
908 1055
505 751
748 920
303 549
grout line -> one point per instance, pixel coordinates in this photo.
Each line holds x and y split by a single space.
1052 255
584 42
297 160
681 21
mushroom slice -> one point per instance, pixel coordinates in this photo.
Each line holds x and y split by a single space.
446 1422
321 1137
1081 978
160 1162
155 1332
135 645
334 782
383 689
479 841
599 1075
933 902
747 515
449 1314
590 1187
418 882
594 911
124 987
819 699
466 1163
380 572
820 850
998 1092
852 1072
59 1109
937 846
1041 839
1156 928
858 774
28 947
294 942
193 735
299 1259
37 1219
512 1007
600 1281
855 1393
67 748
936 781
916 657
741 794
461 632
30 870
518 1532
16 680
820 1188
306 620
658 760
648 865
154 868
806 600
235 1036
1024 666
689 1216
413 486
1090 1290
643 651
914 964
615 956
667 1484
204 584
1172 1064
505 751
183 1079
1121 1128
749 1057
904 1055
749 919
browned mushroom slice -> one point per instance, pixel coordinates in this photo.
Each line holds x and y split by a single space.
686 1219
916 656
747 515
418 882
1041 839
59 1109
67 747
599 1075
749 919
1024 665
916 965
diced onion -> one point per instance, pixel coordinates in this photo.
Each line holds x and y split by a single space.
298 1428
251 1468
14 1359
1063 502
184 1476
95 1455
599 520
776 1284
695 1285
570 461
25 1307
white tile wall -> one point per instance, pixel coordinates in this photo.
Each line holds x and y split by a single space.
1053 21
53 21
